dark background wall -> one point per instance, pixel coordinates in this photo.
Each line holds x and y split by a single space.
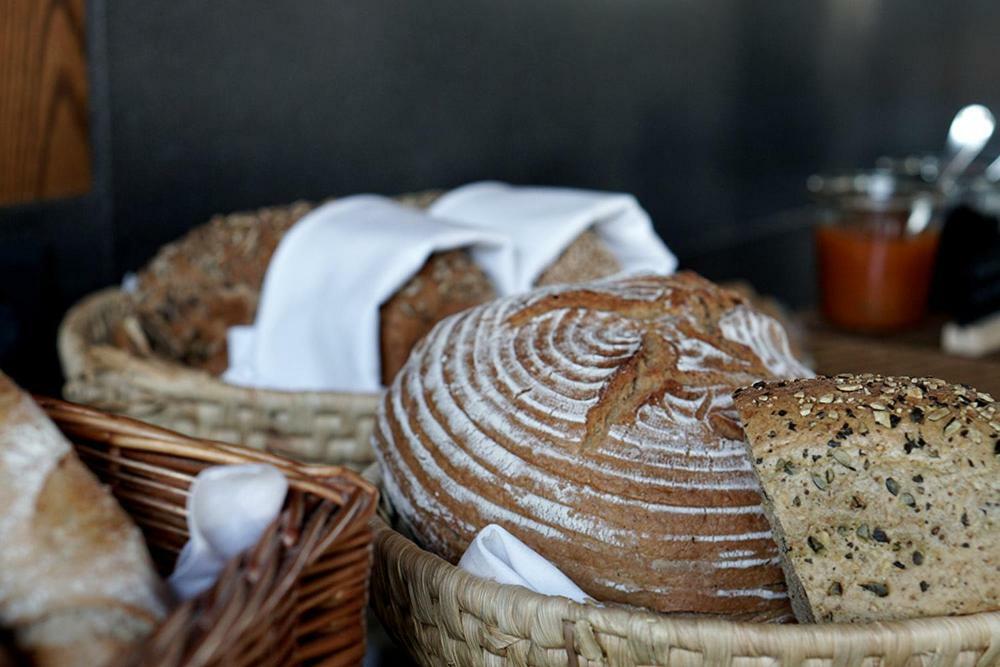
712 113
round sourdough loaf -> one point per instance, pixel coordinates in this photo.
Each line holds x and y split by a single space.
595 423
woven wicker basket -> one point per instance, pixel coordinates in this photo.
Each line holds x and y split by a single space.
330 427
444 616
296 598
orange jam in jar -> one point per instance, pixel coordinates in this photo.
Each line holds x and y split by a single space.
876 244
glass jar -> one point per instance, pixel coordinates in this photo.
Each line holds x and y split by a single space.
876 242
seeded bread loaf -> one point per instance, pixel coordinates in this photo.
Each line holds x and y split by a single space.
195 288
585 259
209 280
594 422
883 494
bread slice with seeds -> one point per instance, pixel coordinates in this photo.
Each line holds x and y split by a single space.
883 494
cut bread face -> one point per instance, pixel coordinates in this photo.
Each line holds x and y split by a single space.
883 494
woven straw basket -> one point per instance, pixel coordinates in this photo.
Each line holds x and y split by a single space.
296 598
445 616
331 427
328 427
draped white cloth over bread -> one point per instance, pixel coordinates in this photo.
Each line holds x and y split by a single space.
317 324
542 222
497 555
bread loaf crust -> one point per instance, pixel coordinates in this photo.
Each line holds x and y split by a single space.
448 283
883 492
595 423
74 570
199 286
586 258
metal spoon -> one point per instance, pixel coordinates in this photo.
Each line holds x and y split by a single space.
993 171
971 128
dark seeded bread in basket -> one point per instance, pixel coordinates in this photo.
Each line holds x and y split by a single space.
159 361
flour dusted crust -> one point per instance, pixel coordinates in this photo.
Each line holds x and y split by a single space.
77 585
449 282
595 423
883 492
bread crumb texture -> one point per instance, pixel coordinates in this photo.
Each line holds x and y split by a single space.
883 492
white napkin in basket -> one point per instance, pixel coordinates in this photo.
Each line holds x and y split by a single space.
317 323
228 509
542 221
497 555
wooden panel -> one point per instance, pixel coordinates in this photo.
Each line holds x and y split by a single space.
44 142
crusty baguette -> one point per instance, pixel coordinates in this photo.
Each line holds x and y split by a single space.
76 582
883 494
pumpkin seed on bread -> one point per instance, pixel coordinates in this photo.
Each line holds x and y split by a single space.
882 492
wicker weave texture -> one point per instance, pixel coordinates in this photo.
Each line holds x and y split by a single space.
444 616
296 598
329 427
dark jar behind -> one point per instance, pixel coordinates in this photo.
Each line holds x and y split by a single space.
876 240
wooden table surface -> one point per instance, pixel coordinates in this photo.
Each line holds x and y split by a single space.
915 352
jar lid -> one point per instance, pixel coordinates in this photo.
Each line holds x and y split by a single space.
871 189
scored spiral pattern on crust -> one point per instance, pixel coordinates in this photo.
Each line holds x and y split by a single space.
595 423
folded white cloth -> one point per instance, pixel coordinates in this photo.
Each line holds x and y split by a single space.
317 322
497 555
542 221
228 509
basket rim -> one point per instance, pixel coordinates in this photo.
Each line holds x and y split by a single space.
510 601
137 435
81 357
312 562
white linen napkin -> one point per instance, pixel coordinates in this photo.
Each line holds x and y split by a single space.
317 322
497 555
542 221
228 509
